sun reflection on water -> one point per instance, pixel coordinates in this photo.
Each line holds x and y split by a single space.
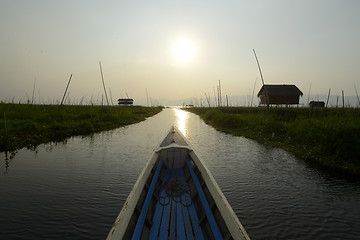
181 119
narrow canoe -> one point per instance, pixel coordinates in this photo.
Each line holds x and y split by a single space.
176 197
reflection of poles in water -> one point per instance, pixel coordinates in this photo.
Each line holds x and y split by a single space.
8 159
5 124
6 162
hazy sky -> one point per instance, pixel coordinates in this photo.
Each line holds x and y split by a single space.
301 42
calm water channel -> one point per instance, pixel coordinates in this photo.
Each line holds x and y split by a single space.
75 190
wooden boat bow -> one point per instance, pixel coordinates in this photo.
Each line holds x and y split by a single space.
176 197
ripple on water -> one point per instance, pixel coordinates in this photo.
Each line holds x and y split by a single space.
76 190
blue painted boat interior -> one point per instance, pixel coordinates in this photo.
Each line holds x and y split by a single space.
175 216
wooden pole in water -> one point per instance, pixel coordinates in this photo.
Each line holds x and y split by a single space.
81 100
216 100
28 99
207 99
102 77
357 94
66 98
259 67
32 98
220 100
147 97
328 98
111 98
67 86
342 91
252 97
309 95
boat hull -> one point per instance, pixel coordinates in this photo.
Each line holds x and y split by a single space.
176 197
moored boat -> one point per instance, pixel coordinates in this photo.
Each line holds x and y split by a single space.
176 197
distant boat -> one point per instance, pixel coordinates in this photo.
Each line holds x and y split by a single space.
176 197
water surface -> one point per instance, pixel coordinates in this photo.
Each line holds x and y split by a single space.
75 190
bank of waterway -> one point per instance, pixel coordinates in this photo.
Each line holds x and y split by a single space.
27 125
327 137
75 190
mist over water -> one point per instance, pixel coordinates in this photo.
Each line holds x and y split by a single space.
75 190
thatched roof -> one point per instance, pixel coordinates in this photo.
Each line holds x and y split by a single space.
279 90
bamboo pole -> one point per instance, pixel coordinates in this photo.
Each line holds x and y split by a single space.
207 99
147 97
67 86
66 98
28 99
220 99
327 101
81 100
259 67
102 77
39 96
111 98
252 97
357 94
216 100
32 98
342 91
309 95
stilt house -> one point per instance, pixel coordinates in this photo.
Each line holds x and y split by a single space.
279 94
317 104
125 101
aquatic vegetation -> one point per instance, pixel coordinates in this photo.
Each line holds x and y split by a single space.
26 125
327 136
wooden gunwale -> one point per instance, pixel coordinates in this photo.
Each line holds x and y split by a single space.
229 225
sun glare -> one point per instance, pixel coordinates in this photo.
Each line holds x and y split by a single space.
183 50
181 119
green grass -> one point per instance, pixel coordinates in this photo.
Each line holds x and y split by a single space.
29 125
326 136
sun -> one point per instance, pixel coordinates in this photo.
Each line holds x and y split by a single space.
184 50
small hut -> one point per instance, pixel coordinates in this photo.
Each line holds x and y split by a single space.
125 101
317 104
279 94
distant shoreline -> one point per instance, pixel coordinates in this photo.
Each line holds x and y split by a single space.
27 125
322 136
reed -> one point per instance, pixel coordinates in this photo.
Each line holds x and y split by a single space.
29 125
327 136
